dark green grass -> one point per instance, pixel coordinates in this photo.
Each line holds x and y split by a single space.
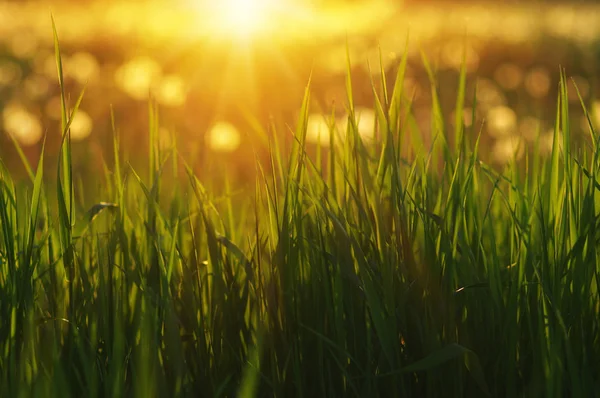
355 274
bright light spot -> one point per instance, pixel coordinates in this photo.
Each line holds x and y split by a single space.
223 137
317 130
172 91
83 67
81 126
21 124
290 21
244 15
502 121
239 18
365 124
137 77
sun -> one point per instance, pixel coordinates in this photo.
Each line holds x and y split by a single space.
249 21
245 15
242 18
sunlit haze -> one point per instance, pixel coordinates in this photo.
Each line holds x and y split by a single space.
243 16
282 20
208 64
244 19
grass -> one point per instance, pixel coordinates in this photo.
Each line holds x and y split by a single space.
357 273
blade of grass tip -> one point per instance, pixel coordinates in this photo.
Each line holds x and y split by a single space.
570 178
8 205
67 163
172 252
297 158
349 91
211 235
35 203
334 143
65 184
384 90
398 91
255 125
63 108
66 120
394 115
438 129
23 158
592 130
153 146
276 161
116 151
154 209
386 156
565 123
459 138
552 193
61 84
82 226
474 110
416 143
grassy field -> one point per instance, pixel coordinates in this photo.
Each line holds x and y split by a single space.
349 272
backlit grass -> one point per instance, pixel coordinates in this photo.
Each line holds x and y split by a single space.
349 272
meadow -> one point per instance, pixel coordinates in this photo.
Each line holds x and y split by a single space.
402 268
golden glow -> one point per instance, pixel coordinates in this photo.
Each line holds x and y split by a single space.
501 121
22 125
137 77
81 126
171 91
238 18
83 67
317 130
244 16
223 137
290 21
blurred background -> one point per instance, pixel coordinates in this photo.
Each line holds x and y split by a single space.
220 69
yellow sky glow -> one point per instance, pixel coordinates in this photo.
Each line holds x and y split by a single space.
239 18
281 20
244 16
